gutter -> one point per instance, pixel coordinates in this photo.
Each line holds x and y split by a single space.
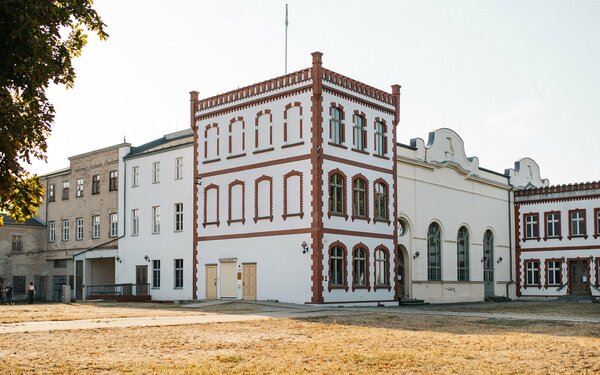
510 243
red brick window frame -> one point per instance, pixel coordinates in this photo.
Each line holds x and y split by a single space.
382 267
266 144
337 137
357 206
257 183
531 226
552 219
532 268
286 189
233 123
208 130
597 262
206 213
378 216
557 278
359 132
242 218
360 253
380 138
338 259
332 195
580 212
596 223
287 126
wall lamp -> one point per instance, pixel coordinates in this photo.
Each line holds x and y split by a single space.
118 259
592 258
499 260
417 253
304 247
147 258
483 259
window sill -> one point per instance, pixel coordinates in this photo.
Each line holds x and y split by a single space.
553 238
293 144
236 156
300 215
364 218
243 221
531 239
381 220
338 287
381 156
330 214
360 151
153 233
361 287
211 161
263 150
584 236
388 287
337 145
178 288
270 218
217 223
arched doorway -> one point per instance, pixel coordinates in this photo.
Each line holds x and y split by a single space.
403 273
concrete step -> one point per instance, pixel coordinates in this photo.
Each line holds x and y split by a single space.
497 299
412 302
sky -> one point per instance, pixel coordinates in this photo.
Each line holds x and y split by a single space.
513 78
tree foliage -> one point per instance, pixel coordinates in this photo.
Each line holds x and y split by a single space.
38 41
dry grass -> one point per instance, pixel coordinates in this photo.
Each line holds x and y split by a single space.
381 342
551 308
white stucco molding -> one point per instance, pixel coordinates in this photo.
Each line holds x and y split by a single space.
526 174
446 147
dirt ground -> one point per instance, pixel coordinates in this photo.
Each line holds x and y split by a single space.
364 342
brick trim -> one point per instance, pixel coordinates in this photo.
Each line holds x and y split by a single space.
206 130
367 285
285 122
366 199
358 164
206 189
546 214
345 263
546 271
231 185
255 165
264 112
395 122
269 233
385 219
256 202
582 186
358 87
537 235
571 235
342 124
231 123
330 213
285 202
387 268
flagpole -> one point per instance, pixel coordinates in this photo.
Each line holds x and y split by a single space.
286 27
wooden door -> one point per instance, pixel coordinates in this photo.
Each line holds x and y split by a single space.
578 277
211 282
401 272
249 282
78 280
228 280
141 280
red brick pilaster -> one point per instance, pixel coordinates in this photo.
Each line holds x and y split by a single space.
394 195
193 105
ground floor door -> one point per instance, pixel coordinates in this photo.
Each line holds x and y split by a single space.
228 280
57 283
488 273
249 282
79 280
211 282
40 283
401 273
141 280
578 277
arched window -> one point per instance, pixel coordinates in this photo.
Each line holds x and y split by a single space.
488 255
292 123
263 136
360 132
211 205
359 198
237 200
237 136
380 137
292 192
434 253
263 198
360 276
211 141
336 194
337 267
381 202
462 254
381 268
336 127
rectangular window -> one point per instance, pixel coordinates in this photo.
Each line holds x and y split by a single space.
65 230
552 224
113 181
597 225
178 273
135 222
178 217
17 242
51 231
19 284
95 227
532 226
135 176
60 263
533 272
156 219
577 225
156 172
96 184
51 193
178 168
156 273
65 190
553 277
380 138
359 132
79 228
79 187
337 126
113 225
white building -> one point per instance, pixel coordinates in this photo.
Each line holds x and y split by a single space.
558 244
297 190
156 205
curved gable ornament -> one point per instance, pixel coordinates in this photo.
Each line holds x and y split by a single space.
447 148
526 174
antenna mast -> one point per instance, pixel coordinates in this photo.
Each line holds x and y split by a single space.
286 27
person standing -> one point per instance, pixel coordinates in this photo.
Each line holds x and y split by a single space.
30 292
